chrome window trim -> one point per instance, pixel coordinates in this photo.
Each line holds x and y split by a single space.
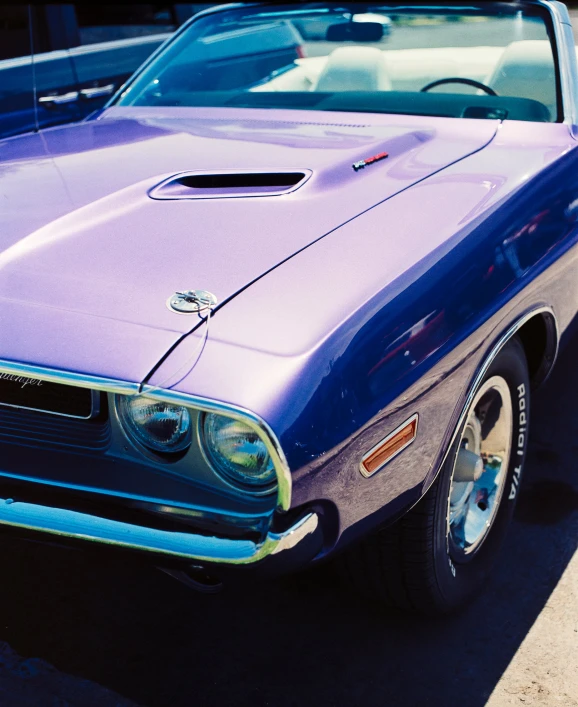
567 61
111 385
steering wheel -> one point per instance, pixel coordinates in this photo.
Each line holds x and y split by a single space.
457 79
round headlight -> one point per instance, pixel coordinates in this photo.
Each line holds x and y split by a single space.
157 425
236 451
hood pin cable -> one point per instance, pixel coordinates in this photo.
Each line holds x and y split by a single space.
186 367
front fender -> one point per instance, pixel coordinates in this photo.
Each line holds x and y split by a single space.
394 314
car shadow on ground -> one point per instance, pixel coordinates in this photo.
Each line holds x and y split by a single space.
302 640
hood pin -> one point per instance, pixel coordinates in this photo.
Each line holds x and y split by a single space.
191 301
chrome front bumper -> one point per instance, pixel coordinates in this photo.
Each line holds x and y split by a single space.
185 546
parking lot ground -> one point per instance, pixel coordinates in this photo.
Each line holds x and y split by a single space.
30 682
544 670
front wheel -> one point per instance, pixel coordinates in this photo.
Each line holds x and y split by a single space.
442 551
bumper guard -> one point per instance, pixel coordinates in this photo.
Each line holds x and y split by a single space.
187 546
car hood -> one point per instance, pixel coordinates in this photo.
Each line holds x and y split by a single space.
84 248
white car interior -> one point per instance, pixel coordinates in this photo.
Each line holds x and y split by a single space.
523 69
355 69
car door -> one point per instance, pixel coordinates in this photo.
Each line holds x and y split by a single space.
57 94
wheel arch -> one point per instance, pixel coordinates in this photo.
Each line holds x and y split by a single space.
539 336
538 332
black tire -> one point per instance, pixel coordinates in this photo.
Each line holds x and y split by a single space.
412 564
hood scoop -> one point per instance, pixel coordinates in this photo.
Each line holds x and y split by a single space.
227 184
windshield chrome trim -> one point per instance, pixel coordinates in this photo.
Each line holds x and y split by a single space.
110 385
152 57
567 61
565 45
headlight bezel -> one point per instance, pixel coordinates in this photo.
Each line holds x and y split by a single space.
131 429
281 485
236 483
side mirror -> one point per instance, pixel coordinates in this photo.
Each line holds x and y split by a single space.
355 32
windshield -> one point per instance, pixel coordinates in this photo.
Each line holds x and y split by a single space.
487 60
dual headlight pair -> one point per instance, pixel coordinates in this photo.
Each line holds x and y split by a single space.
235 450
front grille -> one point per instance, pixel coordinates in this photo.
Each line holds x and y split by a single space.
46 396
37 429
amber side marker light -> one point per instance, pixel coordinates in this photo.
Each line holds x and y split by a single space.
389 447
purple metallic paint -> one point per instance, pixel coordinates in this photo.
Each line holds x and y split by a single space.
102 252
95 261
311 310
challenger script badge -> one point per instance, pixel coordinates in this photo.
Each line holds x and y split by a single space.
191 301
21 381
364 163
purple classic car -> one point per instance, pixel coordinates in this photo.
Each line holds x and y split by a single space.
286 299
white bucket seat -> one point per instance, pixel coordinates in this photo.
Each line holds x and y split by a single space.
526 70
354 69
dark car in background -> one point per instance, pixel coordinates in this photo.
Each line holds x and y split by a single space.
60 62
315 28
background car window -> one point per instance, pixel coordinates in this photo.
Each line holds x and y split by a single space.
14 31
82 54
56 87
103 23
112 41
16 85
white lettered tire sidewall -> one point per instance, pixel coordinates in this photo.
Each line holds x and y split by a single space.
458 577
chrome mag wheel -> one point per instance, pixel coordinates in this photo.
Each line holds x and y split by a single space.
441 553
480 468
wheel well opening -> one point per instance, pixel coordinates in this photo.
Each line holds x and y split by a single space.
540 341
